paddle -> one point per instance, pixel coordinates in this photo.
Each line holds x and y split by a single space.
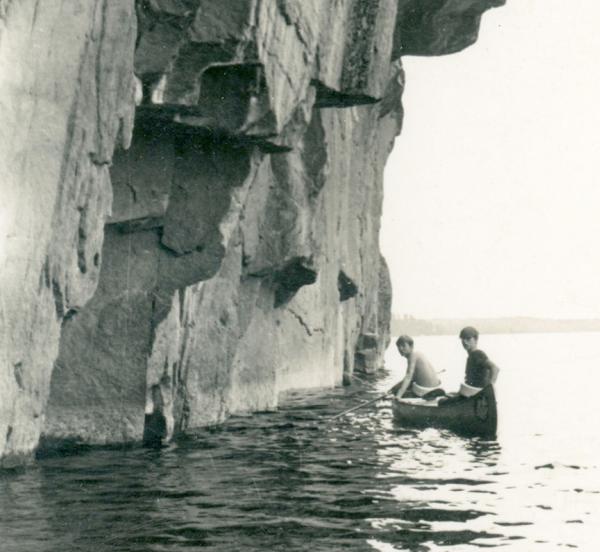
381 397
360 406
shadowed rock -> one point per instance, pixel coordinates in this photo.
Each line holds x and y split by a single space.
291 278
438 27
346 286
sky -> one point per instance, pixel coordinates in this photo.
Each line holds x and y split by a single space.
492 192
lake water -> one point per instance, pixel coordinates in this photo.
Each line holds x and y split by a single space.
288 480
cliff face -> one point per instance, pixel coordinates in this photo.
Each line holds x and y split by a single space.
231 252
66 99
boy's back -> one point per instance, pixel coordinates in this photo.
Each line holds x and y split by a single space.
425 375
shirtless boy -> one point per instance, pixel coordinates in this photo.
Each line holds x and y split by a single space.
421 380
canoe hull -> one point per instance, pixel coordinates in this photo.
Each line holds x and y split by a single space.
472 416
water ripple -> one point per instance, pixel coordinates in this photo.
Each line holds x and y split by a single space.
293 480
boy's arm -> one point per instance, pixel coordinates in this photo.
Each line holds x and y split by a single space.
400 388
492 370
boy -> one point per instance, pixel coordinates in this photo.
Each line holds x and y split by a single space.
420 374
480 370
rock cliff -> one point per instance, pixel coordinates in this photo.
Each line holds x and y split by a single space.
191 196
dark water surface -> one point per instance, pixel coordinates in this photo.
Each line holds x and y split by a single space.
288 480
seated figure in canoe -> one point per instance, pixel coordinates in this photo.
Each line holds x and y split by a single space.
421 379
480 370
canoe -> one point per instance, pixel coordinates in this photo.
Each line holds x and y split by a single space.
472 416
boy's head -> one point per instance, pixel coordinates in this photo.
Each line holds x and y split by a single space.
469 337
405 344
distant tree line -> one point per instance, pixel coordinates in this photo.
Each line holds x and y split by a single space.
522 324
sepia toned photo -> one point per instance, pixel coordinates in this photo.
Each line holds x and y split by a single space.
299 275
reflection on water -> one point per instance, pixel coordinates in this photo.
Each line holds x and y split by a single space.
290 480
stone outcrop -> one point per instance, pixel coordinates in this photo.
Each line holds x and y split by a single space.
161 273
438 27
66 93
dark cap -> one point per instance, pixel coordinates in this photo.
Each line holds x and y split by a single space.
468 333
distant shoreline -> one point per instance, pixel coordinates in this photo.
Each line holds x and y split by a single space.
451 326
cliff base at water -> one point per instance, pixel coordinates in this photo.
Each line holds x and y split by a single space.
192 195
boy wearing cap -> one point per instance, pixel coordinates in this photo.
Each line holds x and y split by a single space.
421 379
480 370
